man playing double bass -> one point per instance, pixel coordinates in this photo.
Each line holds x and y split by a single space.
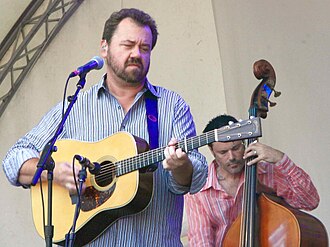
212 211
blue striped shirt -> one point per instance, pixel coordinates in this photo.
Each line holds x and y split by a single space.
96 115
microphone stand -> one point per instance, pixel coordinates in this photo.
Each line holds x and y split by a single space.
70 237
47 163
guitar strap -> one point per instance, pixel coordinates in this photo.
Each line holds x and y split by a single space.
152 124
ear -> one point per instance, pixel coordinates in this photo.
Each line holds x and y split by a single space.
104 48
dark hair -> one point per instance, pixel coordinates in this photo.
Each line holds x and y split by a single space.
219 122
140 17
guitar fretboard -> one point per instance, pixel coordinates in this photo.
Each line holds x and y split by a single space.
156 155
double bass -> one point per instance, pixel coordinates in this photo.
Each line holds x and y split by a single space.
266 219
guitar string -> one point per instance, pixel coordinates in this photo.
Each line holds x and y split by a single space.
110 169
127 165
148 158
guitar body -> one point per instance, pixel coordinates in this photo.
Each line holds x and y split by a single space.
281 225
102 204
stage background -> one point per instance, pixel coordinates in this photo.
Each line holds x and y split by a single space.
205 52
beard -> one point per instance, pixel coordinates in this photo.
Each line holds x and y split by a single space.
135 75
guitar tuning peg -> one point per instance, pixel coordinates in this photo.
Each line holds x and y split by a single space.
240 120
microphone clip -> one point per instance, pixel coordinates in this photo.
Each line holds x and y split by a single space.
93 167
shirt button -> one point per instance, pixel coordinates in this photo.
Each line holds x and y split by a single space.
119 107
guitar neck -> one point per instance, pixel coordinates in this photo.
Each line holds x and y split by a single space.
236 131
156 155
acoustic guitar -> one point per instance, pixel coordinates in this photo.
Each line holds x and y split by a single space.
122 187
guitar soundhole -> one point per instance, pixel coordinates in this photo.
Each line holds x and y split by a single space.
106 175
92 198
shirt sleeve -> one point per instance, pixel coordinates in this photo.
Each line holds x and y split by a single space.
184 127
200 230
292 183
30 145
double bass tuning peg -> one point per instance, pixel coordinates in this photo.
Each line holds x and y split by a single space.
271 104
276 93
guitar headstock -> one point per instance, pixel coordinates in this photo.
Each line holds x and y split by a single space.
260 97
244 129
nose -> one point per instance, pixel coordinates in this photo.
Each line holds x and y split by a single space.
136 52
230 154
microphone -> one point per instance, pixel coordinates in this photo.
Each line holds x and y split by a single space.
93 167
95 63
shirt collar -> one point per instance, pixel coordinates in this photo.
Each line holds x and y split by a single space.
212 180
151 88
100 86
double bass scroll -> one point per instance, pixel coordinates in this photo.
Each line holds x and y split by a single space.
264 71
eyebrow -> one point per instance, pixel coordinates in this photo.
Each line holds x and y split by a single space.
134 42
127 41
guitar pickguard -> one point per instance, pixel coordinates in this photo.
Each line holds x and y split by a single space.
92 198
